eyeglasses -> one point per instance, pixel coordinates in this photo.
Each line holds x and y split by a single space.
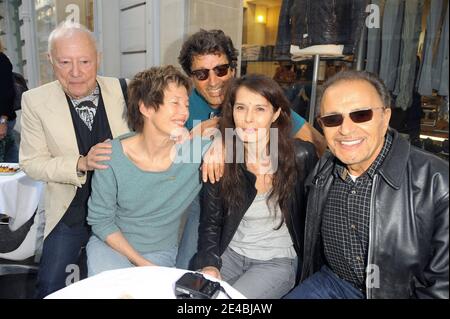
219 70
359 116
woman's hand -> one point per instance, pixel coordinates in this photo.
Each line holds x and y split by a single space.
212 271
143 262
98 153
213 162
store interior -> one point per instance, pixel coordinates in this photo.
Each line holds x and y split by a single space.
420 112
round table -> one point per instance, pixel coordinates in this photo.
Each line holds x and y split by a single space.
19 197
150 282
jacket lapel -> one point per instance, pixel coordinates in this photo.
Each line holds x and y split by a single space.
114 104
394 165
60 121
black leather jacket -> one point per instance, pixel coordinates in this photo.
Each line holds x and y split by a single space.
315 22
217 228
408 234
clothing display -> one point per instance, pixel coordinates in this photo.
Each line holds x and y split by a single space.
397 45
390 41
410 54
324 50
440 64
406 72
373 42
426 73
305 23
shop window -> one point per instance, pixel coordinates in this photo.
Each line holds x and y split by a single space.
260 25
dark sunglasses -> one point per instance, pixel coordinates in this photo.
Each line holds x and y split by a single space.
219 70
359 116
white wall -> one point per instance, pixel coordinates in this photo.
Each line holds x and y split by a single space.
122 35
226 15
152 32
107 30
172 30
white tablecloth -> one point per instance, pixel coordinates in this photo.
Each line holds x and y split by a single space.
19 198
132 283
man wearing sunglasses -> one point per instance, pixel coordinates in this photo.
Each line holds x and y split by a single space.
210 59
377 217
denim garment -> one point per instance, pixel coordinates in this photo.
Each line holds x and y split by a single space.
440 64
102 257
325 284
189 239
61 249
412 23
374 43
425 82
390 41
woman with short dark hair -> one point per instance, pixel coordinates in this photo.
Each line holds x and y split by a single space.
137 202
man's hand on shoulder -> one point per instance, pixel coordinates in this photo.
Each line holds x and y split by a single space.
213 162
97 153
204 127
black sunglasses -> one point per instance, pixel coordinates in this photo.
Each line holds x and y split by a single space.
359 116
219 70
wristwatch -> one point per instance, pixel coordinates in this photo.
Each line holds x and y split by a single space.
3 120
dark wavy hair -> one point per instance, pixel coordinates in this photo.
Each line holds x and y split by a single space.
207 42
285 176
148 87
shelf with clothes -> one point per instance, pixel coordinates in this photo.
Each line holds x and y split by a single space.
412 43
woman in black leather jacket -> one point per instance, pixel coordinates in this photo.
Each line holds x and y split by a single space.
252 223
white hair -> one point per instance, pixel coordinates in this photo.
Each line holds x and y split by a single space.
67 29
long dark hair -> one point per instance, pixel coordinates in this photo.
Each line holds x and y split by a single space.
284 178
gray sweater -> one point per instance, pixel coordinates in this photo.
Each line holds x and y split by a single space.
145 206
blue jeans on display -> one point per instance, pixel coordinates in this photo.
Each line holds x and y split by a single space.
189 239
374 43
391 36
325 284
61 249
404 86
427 73
102 257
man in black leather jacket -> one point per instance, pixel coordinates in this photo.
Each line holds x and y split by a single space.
377 216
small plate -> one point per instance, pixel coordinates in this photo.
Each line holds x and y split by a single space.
9 169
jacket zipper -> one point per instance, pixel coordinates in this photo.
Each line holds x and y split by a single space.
371 232
318 183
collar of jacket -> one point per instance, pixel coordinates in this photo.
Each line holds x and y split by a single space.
392 168
394 165
251 178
